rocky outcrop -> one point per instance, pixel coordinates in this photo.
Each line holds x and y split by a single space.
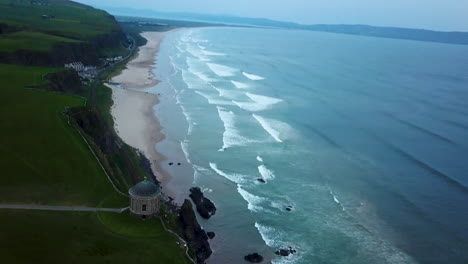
192 232
254 258
211 235
285 251
205 207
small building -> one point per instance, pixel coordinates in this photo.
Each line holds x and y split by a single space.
144 199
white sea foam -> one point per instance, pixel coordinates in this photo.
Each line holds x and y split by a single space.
196 68
253 201
222 70
266 173
251 107
212 53
259 159
213 100
281 206
197 53
231 135
281 202
276 239
228 93
269 127
233 177
196 40
206 190
187 117
203 76
262 99
253 77
335 199
371 241
260 102
240 85
184 147
270 235
199 172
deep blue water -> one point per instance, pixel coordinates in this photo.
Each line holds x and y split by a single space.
365 138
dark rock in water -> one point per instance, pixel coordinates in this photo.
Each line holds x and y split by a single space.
171 163
288 208
211 235
261 180
205 207
178 163
196 237
254 258
285 251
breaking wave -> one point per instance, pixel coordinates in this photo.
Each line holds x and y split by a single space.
233 177
268 126
222 70
260 102
253 77
240 85
266 173
253 201
231 135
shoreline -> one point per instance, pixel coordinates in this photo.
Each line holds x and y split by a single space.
132 109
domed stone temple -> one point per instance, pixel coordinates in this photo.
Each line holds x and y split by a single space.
144 199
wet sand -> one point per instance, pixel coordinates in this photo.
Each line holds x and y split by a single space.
132 110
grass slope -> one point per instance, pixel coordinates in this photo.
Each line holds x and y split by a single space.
26 40
42 24
80 237
67 18
43 159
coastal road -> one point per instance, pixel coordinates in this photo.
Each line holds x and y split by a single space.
61 208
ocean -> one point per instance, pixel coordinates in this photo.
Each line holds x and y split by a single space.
348 149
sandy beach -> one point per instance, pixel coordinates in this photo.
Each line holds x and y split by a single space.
139 71
132 110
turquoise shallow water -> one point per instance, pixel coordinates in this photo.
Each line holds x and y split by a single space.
364 138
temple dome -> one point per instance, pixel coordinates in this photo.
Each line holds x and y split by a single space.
145 189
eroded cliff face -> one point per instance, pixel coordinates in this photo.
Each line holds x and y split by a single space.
193 233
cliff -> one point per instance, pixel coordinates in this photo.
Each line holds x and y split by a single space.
193 233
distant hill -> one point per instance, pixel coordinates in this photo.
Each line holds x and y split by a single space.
54 32
396 33
362 30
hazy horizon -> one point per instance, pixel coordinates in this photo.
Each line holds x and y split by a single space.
447 16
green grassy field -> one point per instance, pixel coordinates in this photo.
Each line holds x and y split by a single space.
27 40
43 159
42 25
66 18
80 237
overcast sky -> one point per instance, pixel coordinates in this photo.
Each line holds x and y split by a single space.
429 14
